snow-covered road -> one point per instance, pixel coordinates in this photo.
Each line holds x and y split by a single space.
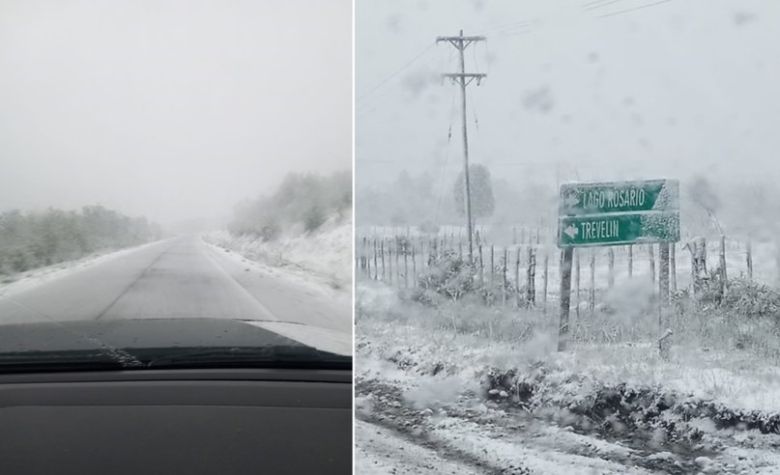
181 277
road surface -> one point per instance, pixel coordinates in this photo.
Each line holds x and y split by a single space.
181 277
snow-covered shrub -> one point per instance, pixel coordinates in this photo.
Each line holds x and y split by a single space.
34 239
302 202
448 275
313 218
752 300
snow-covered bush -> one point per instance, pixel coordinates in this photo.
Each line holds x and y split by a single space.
303 202
752 300
35 239
448 275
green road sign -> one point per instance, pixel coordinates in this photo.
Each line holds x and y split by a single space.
604 214
613 229
594 198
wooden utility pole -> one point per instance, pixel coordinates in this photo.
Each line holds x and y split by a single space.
463 79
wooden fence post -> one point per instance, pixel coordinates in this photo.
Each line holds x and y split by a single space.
389 264
406 264
382 254
517 277
414 268
673 267
364 255
481 268
544 280
492 267
722 264
503 286
375 260
397 263
530 286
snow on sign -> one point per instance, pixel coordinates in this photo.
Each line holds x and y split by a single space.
629 212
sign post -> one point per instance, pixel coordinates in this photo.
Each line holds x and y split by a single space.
610 214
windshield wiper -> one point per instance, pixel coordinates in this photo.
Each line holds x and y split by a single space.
50 361
265 356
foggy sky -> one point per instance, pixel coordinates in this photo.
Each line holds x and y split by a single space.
169 109
576 89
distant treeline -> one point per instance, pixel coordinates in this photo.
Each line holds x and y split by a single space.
36 239
302 203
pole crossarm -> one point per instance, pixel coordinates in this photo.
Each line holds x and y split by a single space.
460 42
464 78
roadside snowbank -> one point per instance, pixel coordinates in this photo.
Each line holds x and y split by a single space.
326 253
22 281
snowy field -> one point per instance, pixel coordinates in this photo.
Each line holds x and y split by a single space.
503 401
324 255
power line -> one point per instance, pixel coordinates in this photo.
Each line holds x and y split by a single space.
595 6
596 3
629 10
396 72
507 26
442 176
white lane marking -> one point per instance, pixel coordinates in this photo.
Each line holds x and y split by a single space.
269 315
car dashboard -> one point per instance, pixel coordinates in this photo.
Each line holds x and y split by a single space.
193 421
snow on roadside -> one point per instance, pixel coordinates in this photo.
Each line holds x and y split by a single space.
434 369
34 277
737 380
382 452
326 253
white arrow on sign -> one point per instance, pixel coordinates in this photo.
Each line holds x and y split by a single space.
572 200
571 231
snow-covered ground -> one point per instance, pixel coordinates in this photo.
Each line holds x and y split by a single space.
501 405
13 284
325 254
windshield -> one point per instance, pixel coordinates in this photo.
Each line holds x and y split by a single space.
174 193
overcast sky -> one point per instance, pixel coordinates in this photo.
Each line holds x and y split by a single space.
581 89
169 109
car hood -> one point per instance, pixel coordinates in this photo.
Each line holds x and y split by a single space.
179 342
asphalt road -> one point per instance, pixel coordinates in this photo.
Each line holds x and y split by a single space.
181 277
